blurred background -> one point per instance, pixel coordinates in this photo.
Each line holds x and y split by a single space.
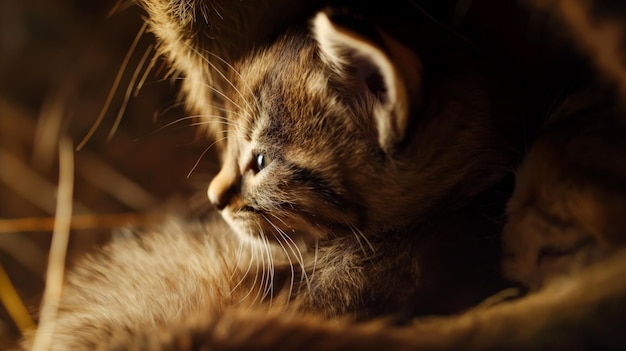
58 65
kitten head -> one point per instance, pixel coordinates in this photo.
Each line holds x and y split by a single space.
312 131
343 132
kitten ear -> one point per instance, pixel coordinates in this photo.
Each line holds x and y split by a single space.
392 76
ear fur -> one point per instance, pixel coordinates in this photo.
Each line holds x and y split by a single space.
393 74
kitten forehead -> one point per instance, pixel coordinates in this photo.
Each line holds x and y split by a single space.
316 82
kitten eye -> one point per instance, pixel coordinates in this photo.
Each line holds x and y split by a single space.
260 162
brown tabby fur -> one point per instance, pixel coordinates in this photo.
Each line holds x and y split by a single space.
379 215
201 38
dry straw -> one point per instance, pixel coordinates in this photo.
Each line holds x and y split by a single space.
58 248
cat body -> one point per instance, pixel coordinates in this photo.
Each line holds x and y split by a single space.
565 315
133 296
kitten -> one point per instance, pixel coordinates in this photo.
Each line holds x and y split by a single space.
342 190
336 143
562 239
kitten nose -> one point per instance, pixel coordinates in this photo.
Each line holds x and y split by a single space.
222 189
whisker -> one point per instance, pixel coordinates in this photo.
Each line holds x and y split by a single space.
293 272
295 251
238 257
258 296
227 98
163 111
212 65
265 286
316 251
202 155
359 234
223 121
270 287
298 253
225 110
256 100
256 277
243 113
202 123
243 277
269 268
358 240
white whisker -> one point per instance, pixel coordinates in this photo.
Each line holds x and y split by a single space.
296 251
314 259
358 240
163 111
226 97
369 244
222 120
202 155
212 65
269 289
293 273
245 274
256 276
360 237
256 100
237 258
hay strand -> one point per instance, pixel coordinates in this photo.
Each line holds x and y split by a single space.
14 304
58 247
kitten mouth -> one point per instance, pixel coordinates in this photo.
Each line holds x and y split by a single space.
249 209
251 222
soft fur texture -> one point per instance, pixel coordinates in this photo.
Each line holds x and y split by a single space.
202 39
360 178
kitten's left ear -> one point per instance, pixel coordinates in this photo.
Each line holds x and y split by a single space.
391 75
